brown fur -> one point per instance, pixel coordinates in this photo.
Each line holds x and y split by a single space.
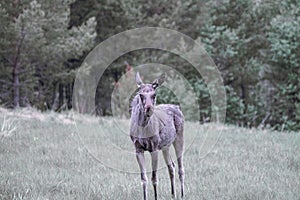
155 128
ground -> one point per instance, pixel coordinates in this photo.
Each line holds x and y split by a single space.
68 156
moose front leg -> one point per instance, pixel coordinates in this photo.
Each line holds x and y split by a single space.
141 161
154 156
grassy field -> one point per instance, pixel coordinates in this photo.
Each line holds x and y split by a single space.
63 156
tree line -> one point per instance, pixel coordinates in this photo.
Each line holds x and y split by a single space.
255 45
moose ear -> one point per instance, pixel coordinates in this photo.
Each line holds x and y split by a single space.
159 81
138 80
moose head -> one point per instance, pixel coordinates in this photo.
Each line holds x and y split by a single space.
147 92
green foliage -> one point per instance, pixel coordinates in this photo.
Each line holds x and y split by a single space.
235 107
284 38
44 44
204 100
255 45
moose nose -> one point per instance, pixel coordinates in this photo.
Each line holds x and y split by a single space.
147 108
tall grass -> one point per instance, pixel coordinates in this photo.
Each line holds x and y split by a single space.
65 156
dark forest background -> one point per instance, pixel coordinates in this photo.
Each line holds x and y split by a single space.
254 43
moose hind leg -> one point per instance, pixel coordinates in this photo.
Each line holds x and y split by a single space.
171 168
178 146
181 174
141 161
154 156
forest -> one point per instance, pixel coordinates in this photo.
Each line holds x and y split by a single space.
254 43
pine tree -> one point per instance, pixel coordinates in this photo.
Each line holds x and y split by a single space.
40 46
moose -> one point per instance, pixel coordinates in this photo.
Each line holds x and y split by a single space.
154 128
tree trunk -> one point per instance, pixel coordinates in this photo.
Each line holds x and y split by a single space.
55 97
15 73
244 97
16 85
61 95
69 95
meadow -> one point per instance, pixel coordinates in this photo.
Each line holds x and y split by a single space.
71 156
